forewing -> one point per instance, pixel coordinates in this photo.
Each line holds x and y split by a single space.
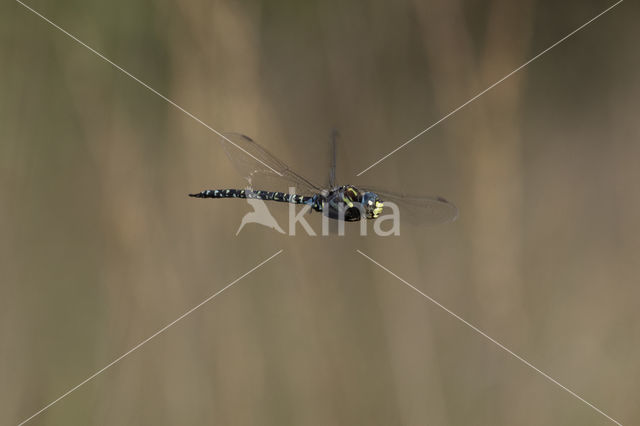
419 208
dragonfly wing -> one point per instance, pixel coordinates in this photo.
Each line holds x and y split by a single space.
332 167
419 208
260 168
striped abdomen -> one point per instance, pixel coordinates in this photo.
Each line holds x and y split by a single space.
282 197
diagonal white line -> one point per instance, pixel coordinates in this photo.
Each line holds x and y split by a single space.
118 67
163 329
490 87
500 345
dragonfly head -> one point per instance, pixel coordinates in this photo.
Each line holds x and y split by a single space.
372 204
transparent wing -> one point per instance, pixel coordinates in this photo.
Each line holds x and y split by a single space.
260 168
332 167
418 208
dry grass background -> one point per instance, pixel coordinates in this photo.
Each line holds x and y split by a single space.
100 247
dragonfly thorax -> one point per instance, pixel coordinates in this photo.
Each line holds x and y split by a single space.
350 204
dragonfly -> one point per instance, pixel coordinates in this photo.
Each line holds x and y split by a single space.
347 203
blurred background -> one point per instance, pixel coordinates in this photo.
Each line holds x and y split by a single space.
100 246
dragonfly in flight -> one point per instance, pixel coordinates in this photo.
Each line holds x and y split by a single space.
341 202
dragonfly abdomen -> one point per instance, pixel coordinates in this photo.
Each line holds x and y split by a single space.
282 197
